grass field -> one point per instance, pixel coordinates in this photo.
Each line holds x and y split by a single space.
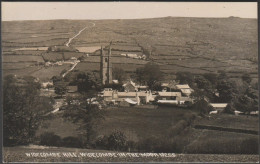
22 58
135 123
49 72
197 45
231 121
141 123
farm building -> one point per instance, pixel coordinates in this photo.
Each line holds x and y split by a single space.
130 86
72 89
169 95
185 89
171 86
47 84
138 97
219 107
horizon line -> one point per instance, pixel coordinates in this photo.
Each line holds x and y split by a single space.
127 18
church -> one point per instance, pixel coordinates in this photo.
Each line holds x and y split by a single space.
106 66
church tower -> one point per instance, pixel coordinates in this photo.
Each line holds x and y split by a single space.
105 66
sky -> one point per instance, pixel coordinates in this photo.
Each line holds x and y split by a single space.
124 10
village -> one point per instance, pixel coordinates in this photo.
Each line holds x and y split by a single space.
171 93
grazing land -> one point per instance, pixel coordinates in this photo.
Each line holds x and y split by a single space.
197 45
136 123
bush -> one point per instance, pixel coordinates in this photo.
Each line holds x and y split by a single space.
102 142
117 141
72 142
229 109
50 139
178 128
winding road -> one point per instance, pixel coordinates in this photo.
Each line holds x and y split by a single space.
67 44
70 39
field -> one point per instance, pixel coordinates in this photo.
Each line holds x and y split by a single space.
17 154
135 123
231 121
21 58
197 45
49 72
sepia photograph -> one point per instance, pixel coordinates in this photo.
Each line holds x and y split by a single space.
129 82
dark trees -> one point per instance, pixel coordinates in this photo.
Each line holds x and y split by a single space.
119 74
24 109
87 82
246 78
150 74
60 88
185 78
89 115
226 90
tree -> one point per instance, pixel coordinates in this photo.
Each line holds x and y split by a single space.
246 78
88 114
205 86
117 141
150 74
203 107
60 88
185 78
229 109
119 74
211 77
245 104
87 82
24 109
56 79
226 90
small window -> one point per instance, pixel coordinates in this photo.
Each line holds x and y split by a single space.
105 59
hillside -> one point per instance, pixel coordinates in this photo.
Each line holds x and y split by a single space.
197 45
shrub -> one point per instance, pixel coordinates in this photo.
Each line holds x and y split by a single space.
117 141
229 109
178 128
72 142
50 139
102 142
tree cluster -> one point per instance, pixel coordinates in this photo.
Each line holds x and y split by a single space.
23 109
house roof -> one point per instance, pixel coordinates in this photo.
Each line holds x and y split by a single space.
218 105
125 94
169 94
183 86
72 88
115 81
129 82
142 86
142 93
185 99
130 101
187 91
165 84
108 93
